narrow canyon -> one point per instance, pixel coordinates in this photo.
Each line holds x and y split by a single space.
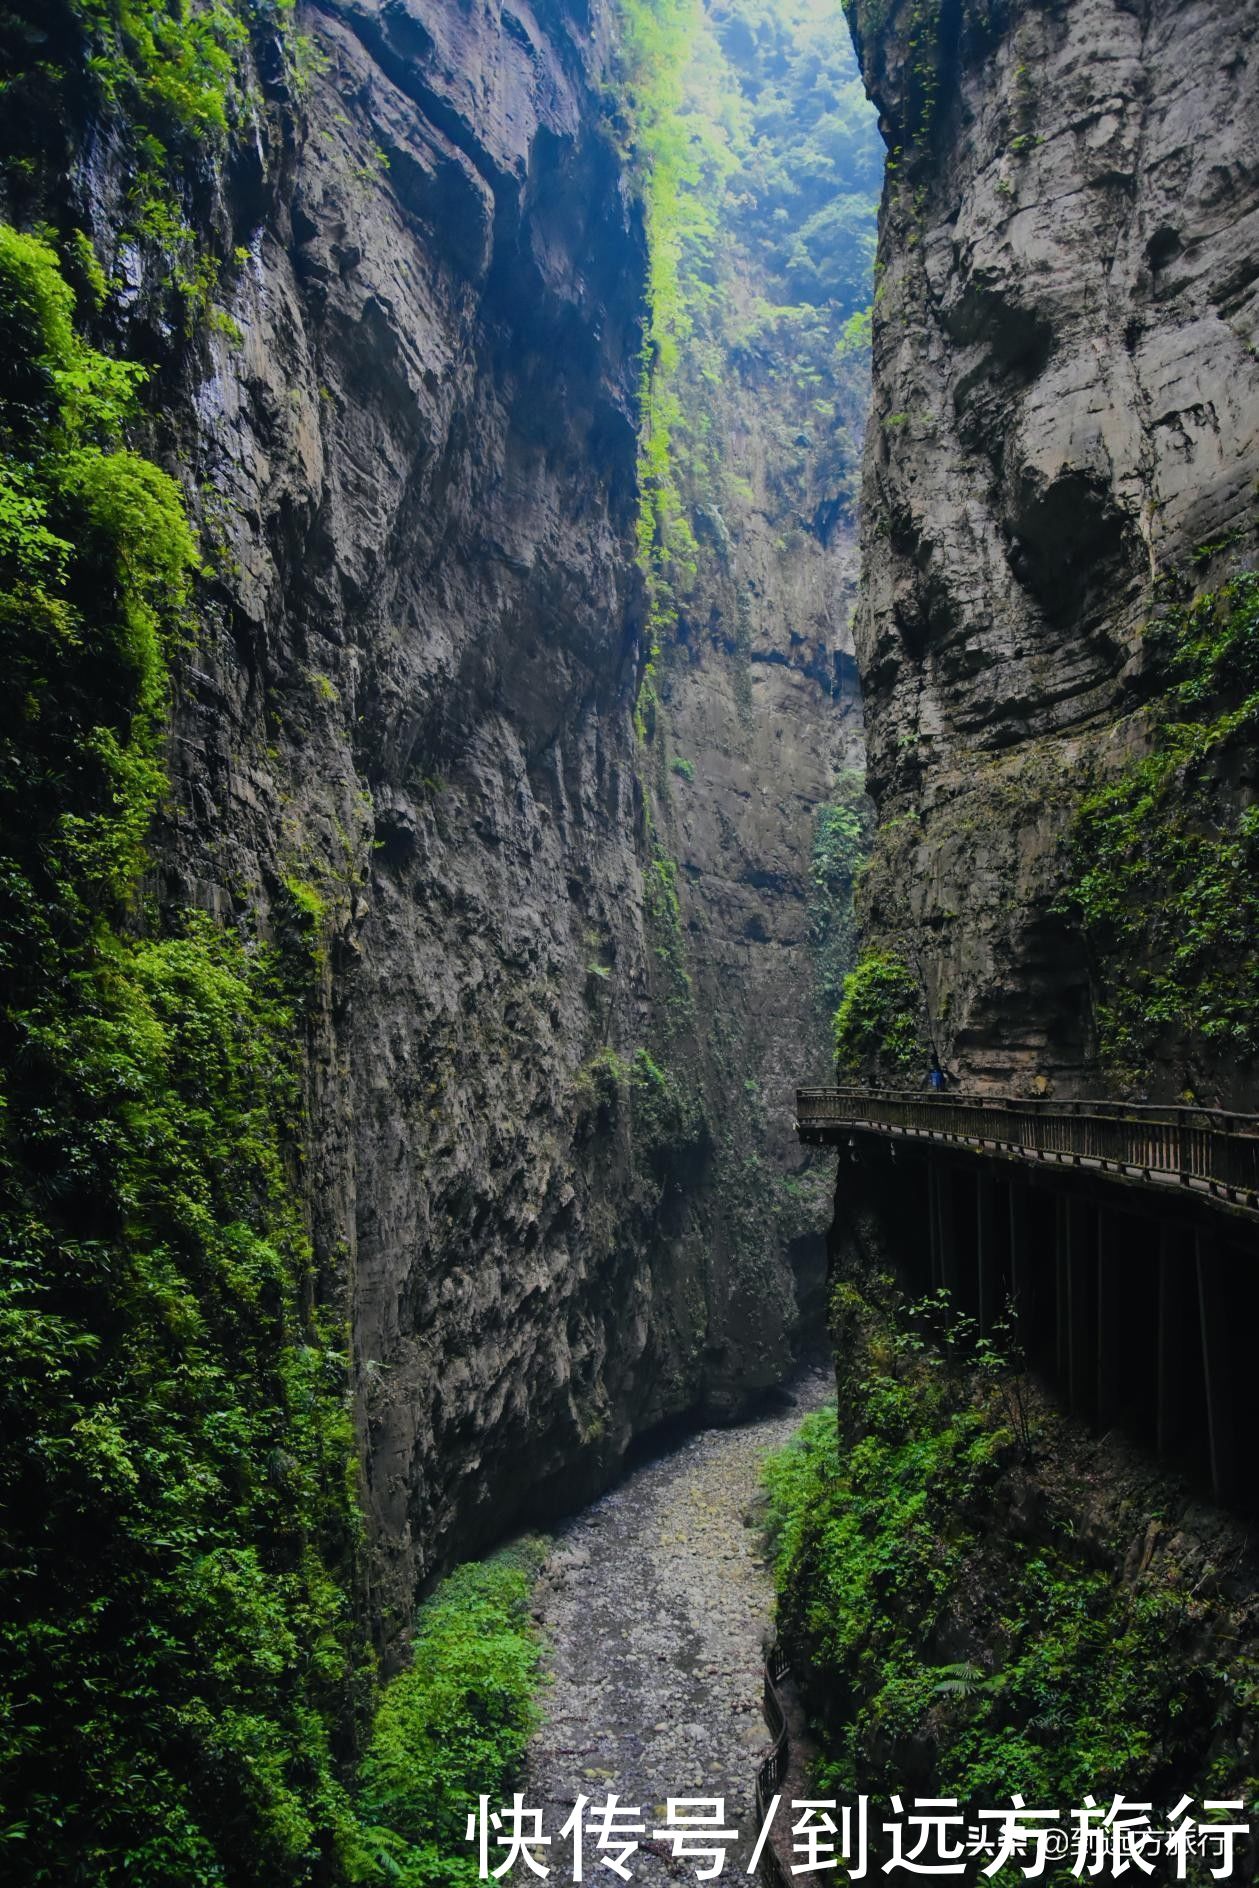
628 920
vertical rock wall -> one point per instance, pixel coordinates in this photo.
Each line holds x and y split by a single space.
1064 447
424 453
759 730
403 750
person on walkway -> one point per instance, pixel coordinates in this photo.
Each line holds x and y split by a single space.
935 1075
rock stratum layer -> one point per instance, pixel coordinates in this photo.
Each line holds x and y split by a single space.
1061 464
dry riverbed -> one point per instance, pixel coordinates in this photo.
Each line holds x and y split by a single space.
656 1604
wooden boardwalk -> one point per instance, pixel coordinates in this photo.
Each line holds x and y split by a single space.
1195 1151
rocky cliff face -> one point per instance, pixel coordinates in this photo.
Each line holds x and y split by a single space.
403 750
1061 467
752 713
417 713
1057 642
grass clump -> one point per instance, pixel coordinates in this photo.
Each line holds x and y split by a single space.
453 1727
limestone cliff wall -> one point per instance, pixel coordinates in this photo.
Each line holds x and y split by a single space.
754 726
422 453
403 747
1063 451
760 718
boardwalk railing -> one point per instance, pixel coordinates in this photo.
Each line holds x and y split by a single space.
1200 1149
773 1767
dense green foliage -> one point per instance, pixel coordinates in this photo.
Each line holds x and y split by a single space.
810 162
452 1727
880 1022
750 133
892 1559
1164 859
865 1564
179 1539
174 72
174 85
841 843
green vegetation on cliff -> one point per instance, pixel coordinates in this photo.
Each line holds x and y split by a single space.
171 85
182 1663
881 1022
180 1534
681 166
1164 858
749 129
950 1646
452 1727
841 845
755 151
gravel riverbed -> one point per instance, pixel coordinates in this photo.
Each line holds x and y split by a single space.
656 1604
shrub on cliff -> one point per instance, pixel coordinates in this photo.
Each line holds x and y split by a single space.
177 1650
880 1025
941 1645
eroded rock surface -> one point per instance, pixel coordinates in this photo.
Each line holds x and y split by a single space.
423 456
1066 416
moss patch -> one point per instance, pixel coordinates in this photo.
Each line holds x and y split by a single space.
1163 859
179 1655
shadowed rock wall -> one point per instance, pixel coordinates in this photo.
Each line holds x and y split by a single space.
423 457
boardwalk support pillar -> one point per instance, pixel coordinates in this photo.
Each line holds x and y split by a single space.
1217 1325
933 1224
1062 1266
1174 1327
1110 1318
1081 1310
948 1233
1020 1260
989 1256
1123 1234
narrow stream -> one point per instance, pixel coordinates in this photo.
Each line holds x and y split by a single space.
656 1604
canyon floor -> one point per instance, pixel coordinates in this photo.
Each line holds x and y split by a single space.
656 1604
